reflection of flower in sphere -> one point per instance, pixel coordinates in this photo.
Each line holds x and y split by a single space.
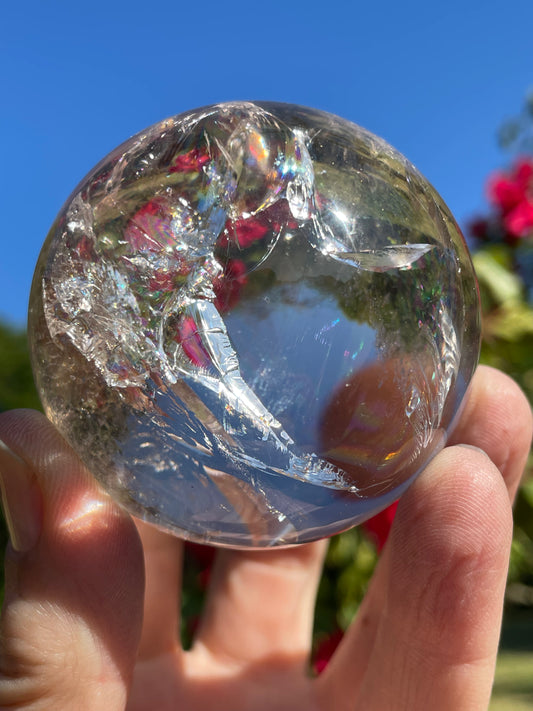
228 285
190 340
190 162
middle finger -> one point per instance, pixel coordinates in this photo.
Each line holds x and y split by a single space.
261 605
163 565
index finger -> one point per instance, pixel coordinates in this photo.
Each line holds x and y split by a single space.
497 418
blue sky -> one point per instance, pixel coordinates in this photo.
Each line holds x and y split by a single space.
435 79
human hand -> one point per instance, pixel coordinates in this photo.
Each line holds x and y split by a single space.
91 613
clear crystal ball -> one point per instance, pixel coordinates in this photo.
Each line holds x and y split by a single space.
255 324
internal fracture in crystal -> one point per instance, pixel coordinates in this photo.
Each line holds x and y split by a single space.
255 323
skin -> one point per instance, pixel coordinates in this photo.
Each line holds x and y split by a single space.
91 608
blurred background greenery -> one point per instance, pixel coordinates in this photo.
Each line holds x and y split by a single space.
502 246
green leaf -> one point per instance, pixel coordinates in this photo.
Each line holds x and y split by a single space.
503 285
512 322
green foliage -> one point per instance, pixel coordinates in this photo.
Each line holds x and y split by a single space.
520 579
16 389
507 316
503 265
349 565
16 381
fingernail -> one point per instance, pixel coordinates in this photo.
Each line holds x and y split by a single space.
21 500
473 448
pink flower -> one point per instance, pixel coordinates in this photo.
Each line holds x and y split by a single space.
378 527
187 335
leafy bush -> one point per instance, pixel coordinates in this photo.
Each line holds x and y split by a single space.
503 259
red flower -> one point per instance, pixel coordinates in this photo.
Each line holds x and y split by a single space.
85 249
519 221
228 286
245 231
523 172
191 162
506 191
242 232
201 554
378 527
203 557
479 228
150 232
325 650
150 228
167 280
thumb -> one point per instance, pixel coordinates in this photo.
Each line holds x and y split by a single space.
72 613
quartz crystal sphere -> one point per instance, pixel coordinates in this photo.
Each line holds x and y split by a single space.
255 323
